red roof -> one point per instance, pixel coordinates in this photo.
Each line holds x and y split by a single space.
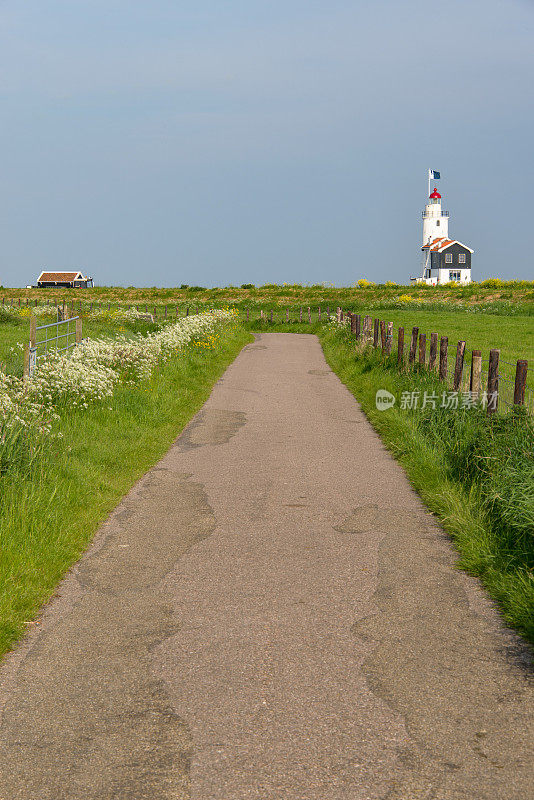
435 195
438 245
58 277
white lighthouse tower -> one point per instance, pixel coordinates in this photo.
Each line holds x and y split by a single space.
444 260
435 220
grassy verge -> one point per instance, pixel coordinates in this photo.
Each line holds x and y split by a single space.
54 496
476 476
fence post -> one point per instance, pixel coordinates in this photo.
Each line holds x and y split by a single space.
33 331
165 312
300 314
353 324
187 311
358 325
287 315
26 366
443 356
413 345
309 315
155 314
459 366
389 338
248 314
433 351
476 372
422 349
368 324
376 325
400 346
493 381
319 313
520 382
78 330
383 335
271 316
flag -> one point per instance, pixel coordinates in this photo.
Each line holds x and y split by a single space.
435 175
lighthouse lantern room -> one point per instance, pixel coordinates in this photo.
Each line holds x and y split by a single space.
435 220
444 260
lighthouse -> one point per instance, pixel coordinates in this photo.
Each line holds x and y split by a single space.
444 260
435 220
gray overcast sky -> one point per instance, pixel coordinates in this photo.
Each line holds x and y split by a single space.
216 143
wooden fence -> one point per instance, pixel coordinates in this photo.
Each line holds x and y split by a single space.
501 384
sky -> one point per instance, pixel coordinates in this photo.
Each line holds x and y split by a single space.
221 142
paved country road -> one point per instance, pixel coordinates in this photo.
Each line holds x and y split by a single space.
269 614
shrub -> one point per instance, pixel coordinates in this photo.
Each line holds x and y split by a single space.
8 316
492 283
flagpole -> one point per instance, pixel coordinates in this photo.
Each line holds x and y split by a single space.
429 173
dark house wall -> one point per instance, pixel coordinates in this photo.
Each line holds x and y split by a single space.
455 249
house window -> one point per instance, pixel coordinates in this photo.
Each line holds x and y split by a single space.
448 258
454 276
427 273
461 258
437 223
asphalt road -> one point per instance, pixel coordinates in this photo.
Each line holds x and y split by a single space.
269 614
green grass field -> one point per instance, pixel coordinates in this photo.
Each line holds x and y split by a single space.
502 295
514 336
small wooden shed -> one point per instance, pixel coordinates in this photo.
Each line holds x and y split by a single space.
69 280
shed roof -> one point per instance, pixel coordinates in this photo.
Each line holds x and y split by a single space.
57 277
